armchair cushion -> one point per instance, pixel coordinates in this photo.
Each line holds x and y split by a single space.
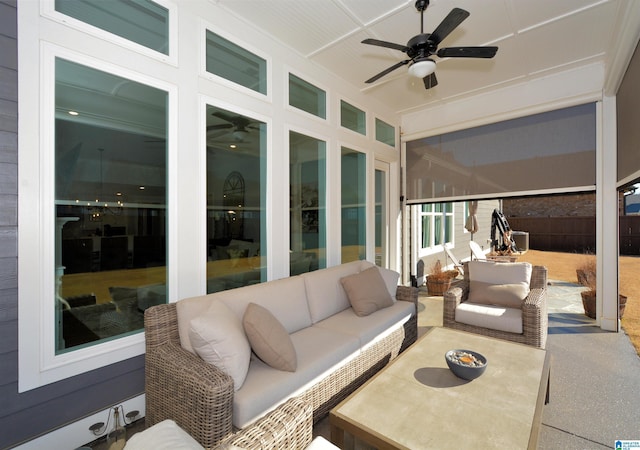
367 291
500 272
269 339
507 295
218 338
492 317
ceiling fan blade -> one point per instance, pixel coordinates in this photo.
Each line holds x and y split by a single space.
430 81
467 52
402 48
223 116
388 70
222 126
455 18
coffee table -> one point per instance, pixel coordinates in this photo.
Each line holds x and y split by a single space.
418 403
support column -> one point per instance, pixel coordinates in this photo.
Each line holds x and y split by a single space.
607 241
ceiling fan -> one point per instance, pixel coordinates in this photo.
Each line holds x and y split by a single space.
421 47
241 125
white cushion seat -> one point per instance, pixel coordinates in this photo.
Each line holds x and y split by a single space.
366 328
490 316
318 350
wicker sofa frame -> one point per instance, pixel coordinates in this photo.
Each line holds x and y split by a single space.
199 397
535 320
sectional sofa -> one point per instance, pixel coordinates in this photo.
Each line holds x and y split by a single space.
217 363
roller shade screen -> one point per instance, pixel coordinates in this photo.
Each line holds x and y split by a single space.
548 152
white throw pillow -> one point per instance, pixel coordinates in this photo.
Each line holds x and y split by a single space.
165 435
218 338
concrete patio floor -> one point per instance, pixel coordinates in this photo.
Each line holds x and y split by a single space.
595 375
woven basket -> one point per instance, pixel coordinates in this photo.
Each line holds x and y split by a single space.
440 285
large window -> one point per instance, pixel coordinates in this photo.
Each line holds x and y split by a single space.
141 21
308 180
232 62
436 224
236 187
354 200
110 202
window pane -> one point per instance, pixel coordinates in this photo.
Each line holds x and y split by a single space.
448 228
354 198
307 97
141 21
426 207
381 218
385 133
236 187
231 62
308 203
437 230
110 195
426 231
353 118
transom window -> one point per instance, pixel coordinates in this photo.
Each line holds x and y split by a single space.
307 97
141 21
353 118
232 62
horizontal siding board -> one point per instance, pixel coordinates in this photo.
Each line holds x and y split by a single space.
8 178
42 410
8 84
12 3
8 210
9 377
8 22
8 116
8 336
9 148
8 242
8 273
8 304
8 50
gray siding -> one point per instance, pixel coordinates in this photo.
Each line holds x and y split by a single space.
30 414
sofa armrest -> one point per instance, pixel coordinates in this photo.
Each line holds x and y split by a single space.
196 395
452 298
290 426
407 294
535 320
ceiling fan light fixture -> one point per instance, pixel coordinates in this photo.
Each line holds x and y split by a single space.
240 135
422 67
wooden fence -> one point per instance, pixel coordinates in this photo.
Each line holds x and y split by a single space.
575 234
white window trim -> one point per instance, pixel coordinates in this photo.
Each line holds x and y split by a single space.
38 363
48 10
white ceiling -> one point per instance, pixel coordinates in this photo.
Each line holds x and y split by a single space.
535 38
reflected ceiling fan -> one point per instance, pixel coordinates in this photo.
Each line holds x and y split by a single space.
421 47
240 125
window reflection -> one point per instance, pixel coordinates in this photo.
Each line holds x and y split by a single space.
354 198
236 189
110 195
307 174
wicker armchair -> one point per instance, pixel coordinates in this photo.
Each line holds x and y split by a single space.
534 311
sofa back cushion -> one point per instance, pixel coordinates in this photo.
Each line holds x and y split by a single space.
285 298
325 293
502 284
